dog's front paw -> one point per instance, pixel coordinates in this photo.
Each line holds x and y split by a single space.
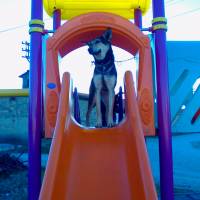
110 124
99 125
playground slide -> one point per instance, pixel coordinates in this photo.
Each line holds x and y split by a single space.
98 164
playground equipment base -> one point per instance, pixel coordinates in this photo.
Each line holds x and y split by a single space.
98 164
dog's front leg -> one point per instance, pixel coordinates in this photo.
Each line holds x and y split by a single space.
98 105
98 86
111 95
110 84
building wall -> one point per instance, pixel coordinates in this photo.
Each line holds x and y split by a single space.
184 71
13 119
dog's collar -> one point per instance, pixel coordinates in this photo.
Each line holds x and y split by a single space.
104 68
105 65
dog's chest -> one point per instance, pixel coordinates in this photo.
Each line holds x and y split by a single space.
105 70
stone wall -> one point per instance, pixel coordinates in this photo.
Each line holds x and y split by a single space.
14 118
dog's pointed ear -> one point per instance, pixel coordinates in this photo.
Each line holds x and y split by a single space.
85 43
108 35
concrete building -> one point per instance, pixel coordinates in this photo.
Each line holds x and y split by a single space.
25 79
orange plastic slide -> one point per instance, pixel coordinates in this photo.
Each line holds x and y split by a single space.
98 164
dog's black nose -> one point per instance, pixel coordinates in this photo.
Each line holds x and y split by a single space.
90 50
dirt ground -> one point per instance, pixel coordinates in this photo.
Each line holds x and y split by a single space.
14 187
14 172
13 177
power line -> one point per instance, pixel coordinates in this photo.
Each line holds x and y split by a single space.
171 3
180 14
12 28
185 13
25 25
168 4
18 27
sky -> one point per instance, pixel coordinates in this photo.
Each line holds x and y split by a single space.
182 15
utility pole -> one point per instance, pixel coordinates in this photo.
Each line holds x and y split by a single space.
26 49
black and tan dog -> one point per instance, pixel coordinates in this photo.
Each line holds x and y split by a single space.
104 78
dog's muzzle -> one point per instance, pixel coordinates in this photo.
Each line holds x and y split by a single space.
94 52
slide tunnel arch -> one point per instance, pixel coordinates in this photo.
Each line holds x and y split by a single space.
72 35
